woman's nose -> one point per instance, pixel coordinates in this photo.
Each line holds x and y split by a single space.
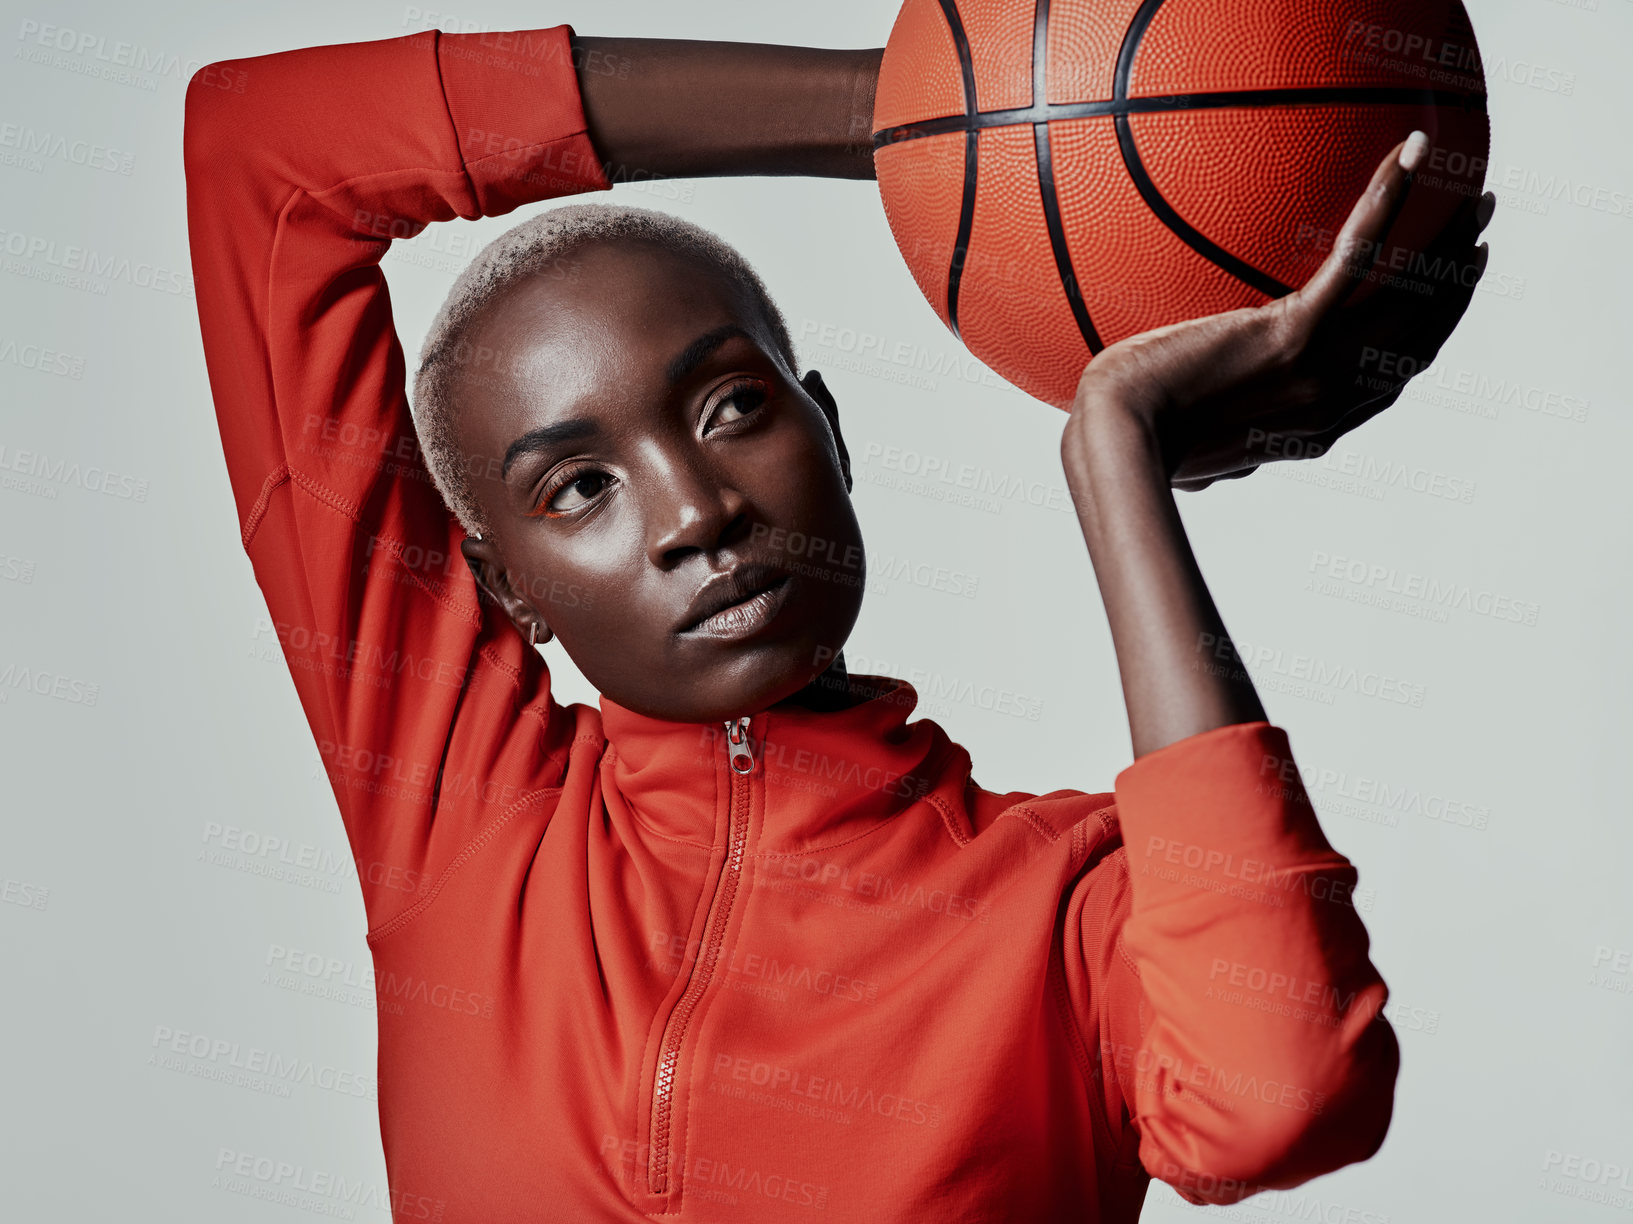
691 507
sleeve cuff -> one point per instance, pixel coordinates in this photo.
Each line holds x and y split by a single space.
1224 810
518 116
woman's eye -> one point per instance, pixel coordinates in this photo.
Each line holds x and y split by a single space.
742 401
580 490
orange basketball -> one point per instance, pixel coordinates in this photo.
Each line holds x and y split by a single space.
1061 174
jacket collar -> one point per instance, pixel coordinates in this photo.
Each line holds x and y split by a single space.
819 777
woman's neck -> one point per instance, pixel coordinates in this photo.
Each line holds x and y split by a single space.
832 690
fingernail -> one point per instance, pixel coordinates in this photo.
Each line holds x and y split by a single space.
1417 144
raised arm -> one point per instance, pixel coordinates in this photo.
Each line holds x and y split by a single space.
684 109
1226 968
302 168
1197 402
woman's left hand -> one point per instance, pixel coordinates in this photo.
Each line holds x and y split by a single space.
1223 394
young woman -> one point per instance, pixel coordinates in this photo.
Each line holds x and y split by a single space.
744 943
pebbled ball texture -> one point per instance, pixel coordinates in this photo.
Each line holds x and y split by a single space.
1173 200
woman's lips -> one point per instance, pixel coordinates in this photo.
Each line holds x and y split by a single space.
744 619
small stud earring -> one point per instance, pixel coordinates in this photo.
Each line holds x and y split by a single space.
533 633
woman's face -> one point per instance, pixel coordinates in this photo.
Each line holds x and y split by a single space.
632 437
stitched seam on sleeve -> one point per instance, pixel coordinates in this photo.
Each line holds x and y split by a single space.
453 124
1088 1059
949 819
1034 821
326 496
277 476
487 651
1132 1163
1122 949
884 823
468 167
471 849
514 154
257 512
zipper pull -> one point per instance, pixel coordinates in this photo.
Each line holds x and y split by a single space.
742 754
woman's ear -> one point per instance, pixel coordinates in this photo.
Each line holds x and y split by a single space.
491 576
818 390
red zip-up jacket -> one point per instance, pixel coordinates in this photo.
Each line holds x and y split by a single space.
618 978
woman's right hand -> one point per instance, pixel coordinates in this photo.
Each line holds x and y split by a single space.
1213 391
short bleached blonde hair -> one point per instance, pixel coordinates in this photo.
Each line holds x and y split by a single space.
536 247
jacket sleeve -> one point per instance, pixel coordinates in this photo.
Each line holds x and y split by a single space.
1237 1011
302 167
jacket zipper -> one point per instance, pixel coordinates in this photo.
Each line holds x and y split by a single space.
674 1035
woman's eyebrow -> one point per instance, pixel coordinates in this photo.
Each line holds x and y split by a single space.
694 353
545 437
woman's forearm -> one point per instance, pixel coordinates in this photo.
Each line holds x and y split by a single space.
688 109
1180 672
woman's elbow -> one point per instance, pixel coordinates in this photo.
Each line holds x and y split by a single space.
1273 1134
209 124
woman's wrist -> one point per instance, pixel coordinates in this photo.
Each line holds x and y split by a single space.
1166 631
1111 443
677 108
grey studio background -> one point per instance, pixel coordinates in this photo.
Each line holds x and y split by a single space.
169 835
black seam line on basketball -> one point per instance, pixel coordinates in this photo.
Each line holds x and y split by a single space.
1040 55
966 206
1046 184
1131 44
1057 241
1337 95
1182 229
1154 199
